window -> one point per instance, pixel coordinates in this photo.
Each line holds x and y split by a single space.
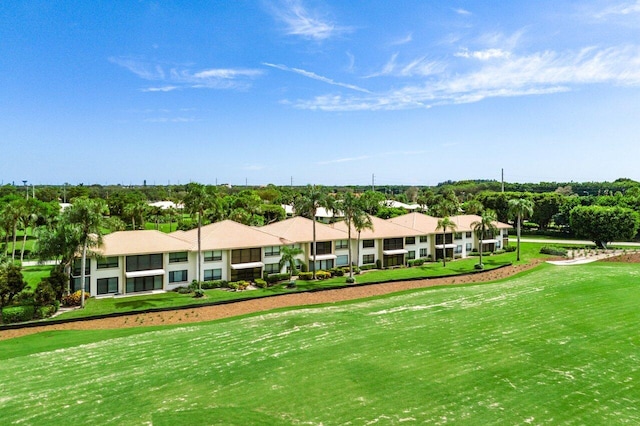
107 285
144 262
448 238
394 260
411 255
467 234
368 259
468 247
210 256
212 274
367 243
75 284
144 283
323 247
77 266
423 252
393 244
424 238
342 260
324 265
246 255
177 276
342 244
107 262
457 236
272 251
272 268
178 257
410 240
248 274
458 249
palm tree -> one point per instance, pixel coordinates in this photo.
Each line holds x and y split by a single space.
445 224
135 210
307 205
486 224
155 211
360 223
27 219
197 201
353 211
521 208
85 215
288 257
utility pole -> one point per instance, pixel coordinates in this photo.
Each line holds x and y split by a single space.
291 181
26 188
502 178
373 182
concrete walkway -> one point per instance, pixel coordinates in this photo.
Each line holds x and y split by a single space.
579 242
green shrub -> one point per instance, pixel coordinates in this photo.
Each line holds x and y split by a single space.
478 266
15 314
306 276
274 278
416 262
351 280
238 285
323 275
260 283
378 264
338 272
510 249
367 267
44 293
198 293
45 311
208 285
553 251
304 267
23 298
183 290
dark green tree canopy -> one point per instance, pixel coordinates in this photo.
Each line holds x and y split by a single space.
604 224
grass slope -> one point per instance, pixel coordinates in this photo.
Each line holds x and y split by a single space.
556 345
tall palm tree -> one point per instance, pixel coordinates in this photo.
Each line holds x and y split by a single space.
353 211
521 208
288 257
307 205
360 223
197 201
27 219
445 224
135 211
486 224
86 217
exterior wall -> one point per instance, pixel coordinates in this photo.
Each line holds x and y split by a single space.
376 251
190 266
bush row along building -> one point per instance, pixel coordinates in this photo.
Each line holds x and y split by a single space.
141 261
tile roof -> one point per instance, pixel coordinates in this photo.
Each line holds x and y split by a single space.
300 230
229 235
419 222
140 242
381 229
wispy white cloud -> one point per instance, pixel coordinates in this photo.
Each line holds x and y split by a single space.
315 76
309 24
417 67
343 160
534 74
184 77
404 40
461 11
624 8
483 55
160 89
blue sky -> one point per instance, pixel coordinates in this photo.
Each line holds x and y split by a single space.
327 92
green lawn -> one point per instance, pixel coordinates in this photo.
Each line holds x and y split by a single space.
34 274
555 345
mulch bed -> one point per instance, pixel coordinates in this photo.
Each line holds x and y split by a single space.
624 258
208 313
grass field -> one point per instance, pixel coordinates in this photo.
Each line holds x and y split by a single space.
555 345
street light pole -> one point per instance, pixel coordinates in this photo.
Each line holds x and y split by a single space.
26 188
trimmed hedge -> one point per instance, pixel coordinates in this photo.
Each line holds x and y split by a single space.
274 278
22 313
554 251
416 262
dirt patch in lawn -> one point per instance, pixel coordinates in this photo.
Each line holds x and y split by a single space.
208 313
625 258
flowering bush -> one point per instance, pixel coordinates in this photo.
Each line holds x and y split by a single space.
74 299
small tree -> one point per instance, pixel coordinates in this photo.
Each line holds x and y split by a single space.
288 257
11 283
445 224
486 224
521 208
